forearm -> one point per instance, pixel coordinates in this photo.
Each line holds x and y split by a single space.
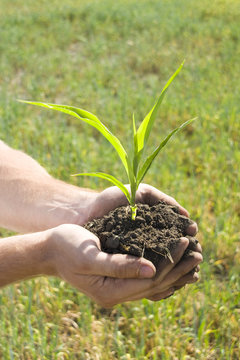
24 256
32 200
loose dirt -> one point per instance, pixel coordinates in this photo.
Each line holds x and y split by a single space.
154 233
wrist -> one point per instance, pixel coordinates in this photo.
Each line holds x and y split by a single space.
69 204
37 253
53 251
59 203
46 255
62 248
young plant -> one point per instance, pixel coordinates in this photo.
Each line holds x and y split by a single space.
135 168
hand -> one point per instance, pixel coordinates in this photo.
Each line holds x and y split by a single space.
112 279
113 197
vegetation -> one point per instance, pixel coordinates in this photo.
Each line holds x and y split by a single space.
110 57
135 172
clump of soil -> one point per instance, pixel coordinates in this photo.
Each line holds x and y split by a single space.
154 233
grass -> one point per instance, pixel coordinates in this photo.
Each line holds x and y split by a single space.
113 58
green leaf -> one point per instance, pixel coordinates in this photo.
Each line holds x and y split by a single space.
135 149
95 122
110 178
148 162
134 125
144 129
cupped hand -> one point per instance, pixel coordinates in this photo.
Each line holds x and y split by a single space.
109 279
113 197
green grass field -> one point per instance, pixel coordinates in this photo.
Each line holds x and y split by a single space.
113 58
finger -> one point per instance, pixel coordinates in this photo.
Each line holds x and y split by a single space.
173 290
194 244
112 291
133 289
129 289
158 284
152 195
176 288
186 279
107 200
122 266
97 262
162 295
195 277
198 248
183 268
166 265
192 229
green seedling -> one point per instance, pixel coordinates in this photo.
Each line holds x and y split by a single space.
135 167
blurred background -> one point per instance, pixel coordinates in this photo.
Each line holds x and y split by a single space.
113 59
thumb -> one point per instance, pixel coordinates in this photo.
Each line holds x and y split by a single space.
123 266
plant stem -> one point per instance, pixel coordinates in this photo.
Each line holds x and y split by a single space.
133 205
133 211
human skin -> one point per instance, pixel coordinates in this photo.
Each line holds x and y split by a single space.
50 214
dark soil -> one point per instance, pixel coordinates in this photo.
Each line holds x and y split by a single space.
154 233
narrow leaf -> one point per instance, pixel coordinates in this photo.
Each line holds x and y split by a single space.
135 148
148 162
144 129
91 120
110 178
134 126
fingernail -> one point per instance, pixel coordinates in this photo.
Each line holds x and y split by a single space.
146 272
